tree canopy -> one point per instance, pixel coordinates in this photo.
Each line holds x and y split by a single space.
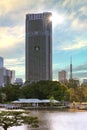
16 118
44 90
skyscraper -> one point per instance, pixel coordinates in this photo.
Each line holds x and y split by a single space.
71 69
1 62
38 47
6 76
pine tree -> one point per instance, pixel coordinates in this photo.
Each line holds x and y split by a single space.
16 118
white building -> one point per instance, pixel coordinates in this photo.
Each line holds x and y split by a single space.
6 76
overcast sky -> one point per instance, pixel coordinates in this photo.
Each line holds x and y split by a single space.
69 34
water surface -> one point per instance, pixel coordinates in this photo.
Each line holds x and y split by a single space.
55 120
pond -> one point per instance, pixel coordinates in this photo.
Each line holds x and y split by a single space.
56 120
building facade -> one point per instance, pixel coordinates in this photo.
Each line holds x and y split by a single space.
12 76
62 76
1 62
38 47
84 80
18 81
6 77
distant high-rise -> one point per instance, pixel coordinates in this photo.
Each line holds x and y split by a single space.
71 69
62 76
6 76
38 47
1 62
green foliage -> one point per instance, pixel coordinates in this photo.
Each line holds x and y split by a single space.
12 92
78 94
2 97
16 118
44 90
51 100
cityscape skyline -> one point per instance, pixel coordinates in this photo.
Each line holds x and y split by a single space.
69 34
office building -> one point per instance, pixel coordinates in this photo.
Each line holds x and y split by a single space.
18 81
38 47
6 77
62 76
84 81
12 76
1 62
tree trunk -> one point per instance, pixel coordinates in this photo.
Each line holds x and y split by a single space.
5 127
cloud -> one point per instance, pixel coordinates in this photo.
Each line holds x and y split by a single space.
78 44
18 65
80 71
76 13
79 24
12 44
10 37
81 75
80 68
14 62
68 3
7 6
83 10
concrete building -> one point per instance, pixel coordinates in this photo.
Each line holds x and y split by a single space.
62 76
84 81
5 76
2 73
12 76
38 47
18 81
1 62
76 81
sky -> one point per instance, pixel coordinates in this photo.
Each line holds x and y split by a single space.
69 39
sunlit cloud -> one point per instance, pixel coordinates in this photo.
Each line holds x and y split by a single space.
17 65
14 62
71 4
78 44
11 5
79 24
10 37
83 10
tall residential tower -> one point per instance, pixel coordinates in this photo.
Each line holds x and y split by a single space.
1 62
38 47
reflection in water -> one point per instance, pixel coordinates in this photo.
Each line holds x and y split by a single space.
54 120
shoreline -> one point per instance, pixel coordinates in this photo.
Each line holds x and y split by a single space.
57 109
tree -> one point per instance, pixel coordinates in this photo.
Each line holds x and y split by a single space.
45 90
51 100
2 97
16 118
12 92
